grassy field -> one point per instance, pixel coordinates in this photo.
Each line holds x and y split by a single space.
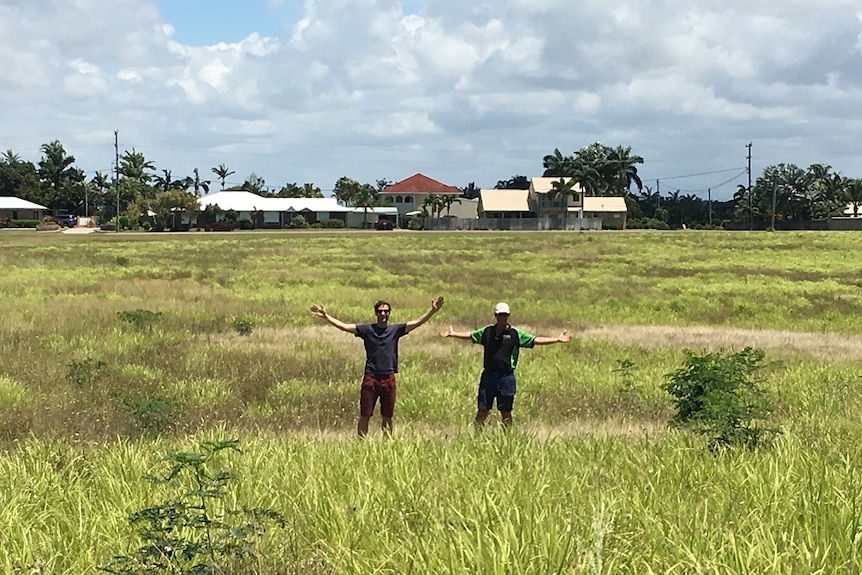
117 348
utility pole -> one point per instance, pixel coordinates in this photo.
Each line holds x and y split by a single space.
117 174
657 194
750 207
773 206
709 203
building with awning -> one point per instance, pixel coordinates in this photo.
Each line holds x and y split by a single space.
13 208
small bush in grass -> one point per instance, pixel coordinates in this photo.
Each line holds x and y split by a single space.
153 414
333 223
243 325
718 395
298 222
139 318
196 530
84 372
626 368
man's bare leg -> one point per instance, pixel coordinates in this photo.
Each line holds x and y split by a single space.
362 425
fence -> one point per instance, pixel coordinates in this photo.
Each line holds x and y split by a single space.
514 224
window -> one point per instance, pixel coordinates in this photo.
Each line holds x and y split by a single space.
398 199
408 199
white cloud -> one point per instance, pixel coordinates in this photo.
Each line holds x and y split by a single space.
463 91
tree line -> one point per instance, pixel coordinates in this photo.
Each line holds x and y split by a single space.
783 192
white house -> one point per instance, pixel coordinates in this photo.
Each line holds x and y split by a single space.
12 208
276 212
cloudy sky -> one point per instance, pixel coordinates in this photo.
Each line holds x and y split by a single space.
461 91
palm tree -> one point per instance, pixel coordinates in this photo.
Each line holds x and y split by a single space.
853 194
447 200
135 165
166 183
364 198
623 171
561 190
199 184
309 190
470 191
434 204
55 167
60 179
99 182
555 164
222 173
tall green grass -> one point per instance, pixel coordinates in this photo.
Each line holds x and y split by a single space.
590 482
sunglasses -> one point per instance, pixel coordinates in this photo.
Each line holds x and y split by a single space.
383 311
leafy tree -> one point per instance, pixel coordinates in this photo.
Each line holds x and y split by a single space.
20 179
292 190
309 190
222 173
60 180
345 190
470 191
853 194
169 205
516 182
381 185
254 184
364 198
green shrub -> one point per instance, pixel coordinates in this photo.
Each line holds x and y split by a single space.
196 529
139 318
298 222
153 414
25 223
243 325
333 223
414 224
719 396
245 224
84 372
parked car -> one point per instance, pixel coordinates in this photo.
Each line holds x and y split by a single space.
383 224
66 220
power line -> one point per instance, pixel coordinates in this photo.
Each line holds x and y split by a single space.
701 174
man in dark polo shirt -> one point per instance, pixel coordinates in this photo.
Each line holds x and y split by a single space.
381 358
501 343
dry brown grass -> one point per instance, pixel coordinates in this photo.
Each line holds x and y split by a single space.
822 345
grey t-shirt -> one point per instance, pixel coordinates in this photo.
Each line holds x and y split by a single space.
381 346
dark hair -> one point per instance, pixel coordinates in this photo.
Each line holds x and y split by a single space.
380 303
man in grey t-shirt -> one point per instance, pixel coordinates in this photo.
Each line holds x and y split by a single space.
381 358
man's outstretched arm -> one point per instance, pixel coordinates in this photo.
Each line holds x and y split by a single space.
320 311
456 334
562 338
436 304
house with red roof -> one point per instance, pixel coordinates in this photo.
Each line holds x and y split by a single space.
408 195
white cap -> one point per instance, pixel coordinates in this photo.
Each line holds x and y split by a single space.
501 307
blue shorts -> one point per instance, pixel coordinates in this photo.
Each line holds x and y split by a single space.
496 386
